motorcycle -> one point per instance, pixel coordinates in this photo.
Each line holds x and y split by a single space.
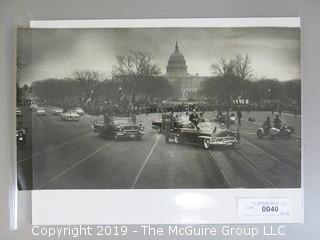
284 132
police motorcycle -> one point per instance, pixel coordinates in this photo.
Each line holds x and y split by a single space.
282 132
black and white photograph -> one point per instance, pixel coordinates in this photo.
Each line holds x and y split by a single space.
158 108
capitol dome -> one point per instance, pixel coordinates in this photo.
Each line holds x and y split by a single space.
177 64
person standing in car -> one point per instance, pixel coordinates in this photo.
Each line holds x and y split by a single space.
194 118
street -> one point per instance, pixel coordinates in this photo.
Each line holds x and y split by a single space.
69 155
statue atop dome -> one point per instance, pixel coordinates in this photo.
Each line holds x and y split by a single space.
177 64
177 47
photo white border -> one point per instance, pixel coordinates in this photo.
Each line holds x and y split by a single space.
291 22
151 206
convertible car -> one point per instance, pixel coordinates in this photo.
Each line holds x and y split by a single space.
206 134
70 116
57 111
79 111
119 128
41 112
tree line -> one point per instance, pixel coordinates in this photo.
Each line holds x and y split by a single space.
233 80
137 76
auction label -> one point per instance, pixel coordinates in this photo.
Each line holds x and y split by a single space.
260 207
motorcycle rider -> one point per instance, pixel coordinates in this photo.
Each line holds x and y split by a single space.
277 122
266 125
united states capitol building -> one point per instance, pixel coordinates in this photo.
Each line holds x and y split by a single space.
186 85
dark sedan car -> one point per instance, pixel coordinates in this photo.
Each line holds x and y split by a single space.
206 133
119 128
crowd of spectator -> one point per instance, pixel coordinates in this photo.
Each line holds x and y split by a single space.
144 106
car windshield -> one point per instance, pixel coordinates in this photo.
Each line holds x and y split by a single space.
209 126
122 121
184 120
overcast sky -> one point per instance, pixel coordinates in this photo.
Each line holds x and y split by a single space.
275 52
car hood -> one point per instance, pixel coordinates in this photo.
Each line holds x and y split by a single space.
125 127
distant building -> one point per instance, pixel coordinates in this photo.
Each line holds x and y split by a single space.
186 85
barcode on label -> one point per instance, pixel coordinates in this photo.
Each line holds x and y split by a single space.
256 207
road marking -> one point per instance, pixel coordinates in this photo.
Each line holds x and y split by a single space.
39 120
53 148
256 172
227 180
145 161
273 157
73 166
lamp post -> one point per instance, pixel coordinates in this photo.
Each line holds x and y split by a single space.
271 102
120 93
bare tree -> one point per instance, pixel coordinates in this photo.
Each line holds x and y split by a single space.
242 66
88 80
138 63
135 72
223 68
124 66
239 66
230 78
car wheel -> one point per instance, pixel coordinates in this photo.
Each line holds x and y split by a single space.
176 139
138 137
206 143
238 137
259 134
